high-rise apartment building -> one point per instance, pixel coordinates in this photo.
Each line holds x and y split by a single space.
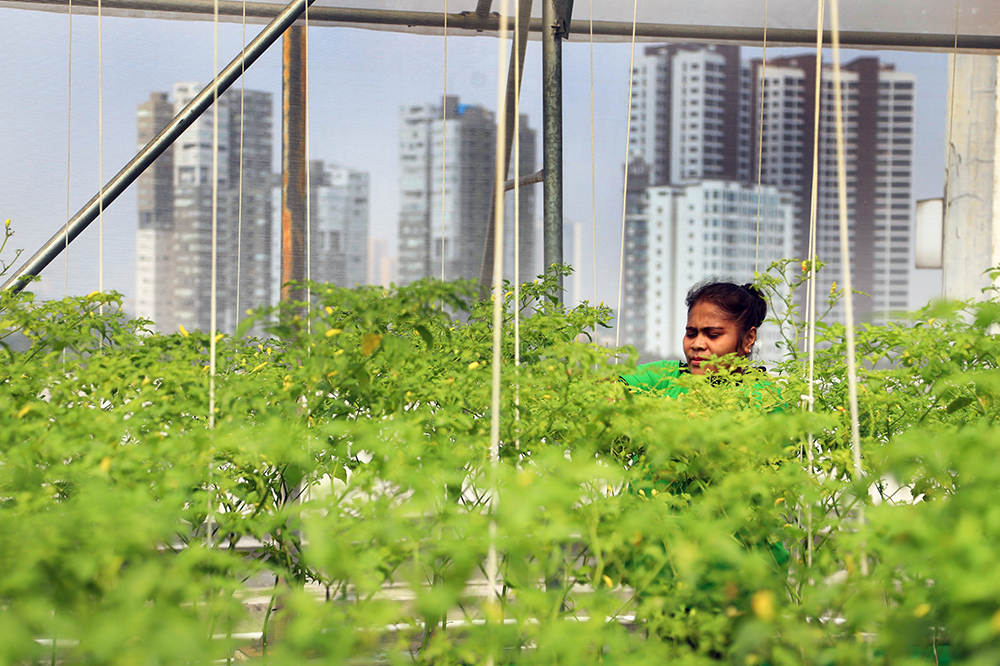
679 235
447 171
699 112
877 104
175 201
339 225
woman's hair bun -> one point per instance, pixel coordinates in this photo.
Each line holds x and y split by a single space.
744 303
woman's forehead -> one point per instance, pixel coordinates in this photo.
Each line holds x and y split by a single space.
705 314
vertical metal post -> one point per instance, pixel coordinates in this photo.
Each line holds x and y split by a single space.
553 29
972 206
293 161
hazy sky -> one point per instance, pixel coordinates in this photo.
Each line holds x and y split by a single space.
358 81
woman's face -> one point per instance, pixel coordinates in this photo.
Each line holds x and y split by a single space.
711 333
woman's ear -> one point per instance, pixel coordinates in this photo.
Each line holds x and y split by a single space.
748 340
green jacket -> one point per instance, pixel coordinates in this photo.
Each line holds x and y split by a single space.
660 377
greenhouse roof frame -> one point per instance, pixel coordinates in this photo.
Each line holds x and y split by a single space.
979 33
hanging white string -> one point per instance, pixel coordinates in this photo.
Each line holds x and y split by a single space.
810 340
845 258
492 560
515 51
444 141
628 132
69 137
305 62
760 142
593 159
100 150
951 128
239 193
213 299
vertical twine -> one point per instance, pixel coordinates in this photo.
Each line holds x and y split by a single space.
213 299
845 256
239 206
593 158
444 139
492 564
951 129
100 149
760 142
628 132
69 138
810 341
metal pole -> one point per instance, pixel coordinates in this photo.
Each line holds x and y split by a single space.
293 162
202 102
552 139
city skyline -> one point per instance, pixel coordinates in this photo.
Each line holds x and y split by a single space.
346 129
704 113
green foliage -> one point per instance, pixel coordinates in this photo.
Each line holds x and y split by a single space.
347 465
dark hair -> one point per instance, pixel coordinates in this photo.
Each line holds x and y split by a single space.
742 304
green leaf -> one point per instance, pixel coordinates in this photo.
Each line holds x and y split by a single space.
959 403
426 335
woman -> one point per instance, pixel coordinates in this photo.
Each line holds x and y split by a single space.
723 319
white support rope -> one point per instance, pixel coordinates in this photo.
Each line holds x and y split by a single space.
810 340
100 150
760 142
628 132
213 298
951 128
306 138
515 51
444 140
492 565
69 142
845 257
239 194
593 159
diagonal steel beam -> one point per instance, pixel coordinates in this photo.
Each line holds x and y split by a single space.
201 103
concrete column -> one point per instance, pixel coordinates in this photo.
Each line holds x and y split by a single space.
972 207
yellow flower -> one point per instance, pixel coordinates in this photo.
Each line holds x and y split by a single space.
183 330
762 604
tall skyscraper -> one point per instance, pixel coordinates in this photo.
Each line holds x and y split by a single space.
697 114
679 235
174 238
446 191
878 136
339 220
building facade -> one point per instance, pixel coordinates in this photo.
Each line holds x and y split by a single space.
339 203
447 170
680 235
700 113
175 205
